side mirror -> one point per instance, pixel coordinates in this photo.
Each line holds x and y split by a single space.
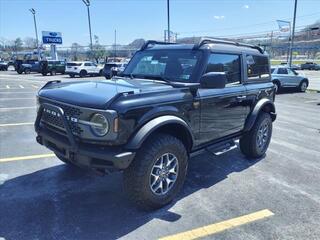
213 80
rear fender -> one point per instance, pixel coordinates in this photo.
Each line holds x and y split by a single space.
264 105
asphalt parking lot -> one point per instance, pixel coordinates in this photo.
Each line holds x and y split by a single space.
278 195
314 79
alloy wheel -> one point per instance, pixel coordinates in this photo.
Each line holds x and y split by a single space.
164 174
263 135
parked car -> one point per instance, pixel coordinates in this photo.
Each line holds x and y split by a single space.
283 77
53 67
151 119
11 63
83 69
293 66
3 66
113 69
28 66
310 66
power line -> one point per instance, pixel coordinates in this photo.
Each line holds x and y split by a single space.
246 26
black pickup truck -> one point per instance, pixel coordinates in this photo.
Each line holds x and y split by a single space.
172 101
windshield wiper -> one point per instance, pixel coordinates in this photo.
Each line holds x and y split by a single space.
161 78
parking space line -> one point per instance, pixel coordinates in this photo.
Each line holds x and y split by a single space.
8 86
16 124
27 157
15 92
34 86
8 99
16 108
221 226
21 86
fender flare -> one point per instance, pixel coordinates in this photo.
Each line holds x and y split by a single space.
261 104
150 127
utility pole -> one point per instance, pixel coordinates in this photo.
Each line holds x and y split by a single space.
168 17
271 42
293 29
87 3
36 30
115 45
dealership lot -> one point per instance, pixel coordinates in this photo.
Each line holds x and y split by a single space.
314 79
278 195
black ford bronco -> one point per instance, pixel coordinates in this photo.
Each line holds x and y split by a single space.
172 101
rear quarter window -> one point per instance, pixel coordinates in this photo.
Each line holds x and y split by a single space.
258 68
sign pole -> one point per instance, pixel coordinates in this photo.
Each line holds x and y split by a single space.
36 30
54 54
168 16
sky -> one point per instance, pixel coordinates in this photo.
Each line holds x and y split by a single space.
148 18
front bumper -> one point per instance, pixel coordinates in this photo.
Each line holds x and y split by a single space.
83 154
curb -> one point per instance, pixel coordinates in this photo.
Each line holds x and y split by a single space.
313 91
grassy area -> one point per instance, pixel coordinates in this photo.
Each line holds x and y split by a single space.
298 62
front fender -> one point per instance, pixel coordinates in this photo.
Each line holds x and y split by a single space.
262 105
151 126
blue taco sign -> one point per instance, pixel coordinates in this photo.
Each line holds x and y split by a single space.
51 37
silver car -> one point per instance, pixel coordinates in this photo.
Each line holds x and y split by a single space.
283 77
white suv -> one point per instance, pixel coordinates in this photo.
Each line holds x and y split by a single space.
83 69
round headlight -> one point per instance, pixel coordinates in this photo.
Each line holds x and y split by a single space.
99 124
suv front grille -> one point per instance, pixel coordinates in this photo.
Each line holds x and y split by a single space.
55 120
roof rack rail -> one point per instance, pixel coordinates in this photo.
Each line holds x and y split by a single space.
204 41
153 42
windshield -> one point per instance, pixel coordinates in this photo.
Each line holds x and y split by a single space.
172 65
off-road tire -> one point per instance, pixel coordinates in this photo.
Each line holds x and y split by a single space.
137 176
83 73
53 72
249 143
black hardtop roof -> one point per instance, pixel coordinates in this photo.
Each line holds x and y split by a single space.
213 44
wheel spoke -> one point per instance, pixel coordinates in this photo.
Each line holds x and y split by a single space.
155 180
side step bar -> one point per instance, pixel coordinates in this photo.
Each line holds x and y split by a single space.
222 147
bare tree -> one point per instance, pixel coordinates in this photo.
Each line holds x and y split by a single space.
30 43
98 51
76 49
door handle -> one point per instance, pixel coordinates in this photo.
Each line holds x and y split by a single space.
240 98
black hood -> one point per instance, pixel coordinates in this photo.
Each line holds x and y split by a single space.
97 94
